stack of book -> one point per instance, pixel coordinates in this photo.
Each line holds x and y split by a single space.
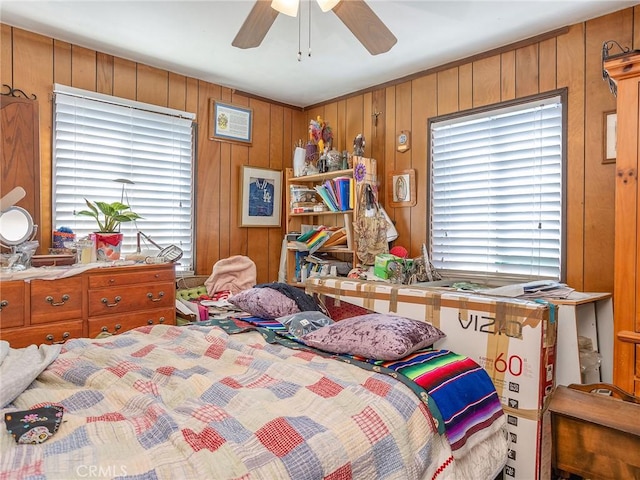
313 239
338 237
337 193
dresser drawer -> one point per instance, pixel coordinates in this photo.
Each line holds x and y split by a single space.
53 333
137 275
115 324
12 304
54 300
109 301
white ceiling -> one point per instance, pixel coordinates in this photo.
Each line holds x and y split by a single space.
194 38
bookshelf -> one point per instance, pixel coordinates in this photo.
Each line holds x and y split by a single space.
339 224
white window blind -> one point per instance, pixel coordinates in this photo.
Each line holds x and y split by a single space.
110 149
496 192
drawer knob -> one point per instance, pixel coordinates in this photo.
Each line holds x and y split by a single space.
4 303
62 301
105 300
51 338
117 327
159 297
150 321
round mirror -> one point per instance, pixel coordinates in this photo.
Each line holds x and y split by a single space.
16 226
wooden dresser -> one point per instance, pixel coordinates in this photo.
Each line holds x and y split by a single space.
104 301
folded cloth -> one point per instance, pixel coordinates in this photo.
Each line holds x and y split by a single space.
234 274
20 366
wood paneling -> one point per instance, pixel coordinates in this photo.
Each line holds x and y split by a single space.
45 61
104 73
152 85
599 197
6 55
508 75
447 97
486 81
527 68
570 67
567 61
465 86
547 62
124 78
33 58
62 62
83 68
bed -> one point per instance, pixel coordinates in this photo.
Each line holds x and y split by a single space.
205 402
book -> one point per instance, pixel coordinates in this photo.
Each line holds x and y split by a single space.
339 237
343 191
326 197
331 190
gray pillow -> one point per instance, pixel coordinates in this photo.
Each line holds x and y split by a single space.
264 303
375 335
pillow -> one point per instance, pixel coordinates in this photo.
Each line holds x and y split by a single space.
375 335
264 303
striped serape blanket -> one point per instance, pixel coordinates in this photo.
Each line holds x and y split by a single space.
462 390
458 392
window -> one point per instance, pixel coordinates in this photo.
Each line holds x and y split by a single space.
497 192
110 149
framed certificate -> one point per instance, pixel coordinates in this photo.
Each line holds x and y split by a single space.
230 123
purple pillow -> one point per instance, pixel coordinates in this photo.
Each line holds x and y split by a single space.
375 335
264 303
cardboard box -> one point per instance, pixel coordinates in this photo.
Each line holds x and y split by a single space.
513 340
530 451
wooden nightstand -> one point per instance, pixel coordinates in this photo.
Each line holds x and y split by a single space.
595 435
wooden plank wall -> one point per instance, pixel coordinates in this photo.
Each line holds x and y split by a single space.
572 60
33 63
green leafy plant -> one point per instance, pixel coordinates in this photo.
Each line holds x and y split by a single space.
113 214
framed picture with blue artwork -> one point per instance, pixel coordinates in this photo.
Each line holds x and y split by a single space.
260 197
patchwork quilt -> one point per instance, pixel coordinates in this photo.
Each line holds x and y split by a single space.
166 402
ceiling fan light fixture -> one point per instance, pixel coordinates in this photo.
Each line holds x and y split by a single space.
326 5
288 7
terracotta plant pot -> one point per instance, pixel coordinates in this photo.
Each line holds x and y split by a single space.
107 245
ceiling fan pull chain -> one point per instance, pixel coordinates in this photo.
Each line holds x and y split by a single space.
299 38
309 3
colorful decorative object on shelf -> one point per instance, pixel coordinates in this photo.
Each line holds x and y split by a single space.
320 134
360 172
62 235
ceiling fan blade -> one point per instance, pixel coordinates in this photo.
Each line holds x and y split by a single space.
256 25
365 25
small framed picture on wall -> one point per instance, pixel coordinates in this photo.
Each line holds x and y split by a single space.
260 197
401 188
609 136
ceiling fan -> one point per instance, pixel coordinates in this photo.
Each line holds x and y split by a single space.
358 17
